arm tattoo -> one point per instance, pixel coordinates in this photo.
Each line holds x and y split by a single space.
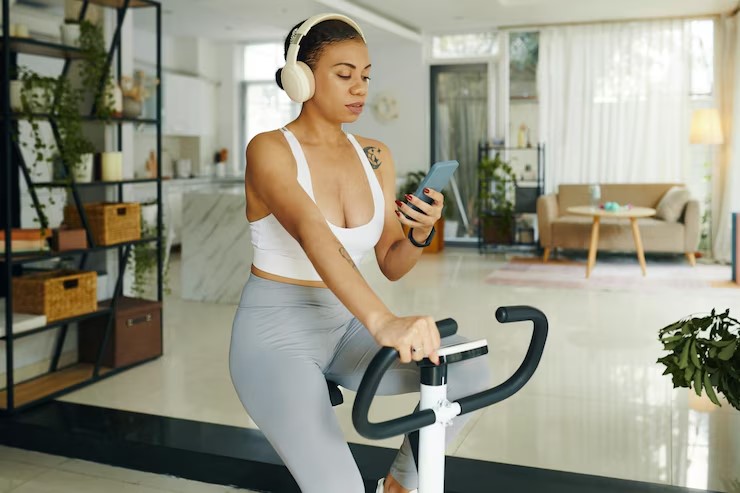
347 257
373 155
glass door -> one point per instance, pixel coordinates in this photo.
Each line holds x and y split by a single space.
459 124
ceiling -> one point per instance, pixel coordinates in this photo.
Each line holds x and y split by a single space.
261 20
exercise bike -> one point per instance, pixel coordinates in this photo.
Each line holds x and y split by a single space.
435 411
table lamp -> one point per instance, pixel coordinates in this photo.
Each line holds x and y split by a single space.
706 129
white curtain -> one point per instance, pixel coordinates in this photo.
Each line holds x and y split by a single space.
727 171
614 102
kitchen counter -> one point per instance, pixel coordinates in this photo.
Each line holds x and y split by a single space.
206 180
173 191
216 244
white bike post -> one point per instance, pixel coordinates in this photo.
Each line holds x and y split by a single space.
432 443
434 396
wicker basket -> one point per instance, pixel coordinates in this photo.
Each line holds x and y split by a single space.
110 223
57 294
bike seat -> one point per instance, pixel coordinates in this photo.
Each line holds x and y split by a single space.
335 395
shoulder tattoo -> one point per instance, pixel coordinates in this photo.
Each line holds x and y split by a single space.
373 155
344 253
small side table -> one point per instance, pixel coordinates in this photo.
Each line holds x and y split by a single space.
632 214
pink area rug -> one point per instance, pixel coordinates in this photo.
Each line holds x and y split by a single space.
611 275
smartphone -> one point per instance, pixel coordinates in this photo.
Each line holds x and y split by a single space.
437 179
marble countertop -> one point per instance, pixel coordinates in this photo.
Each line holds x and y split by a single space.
197 181
223 189
216 244
205 180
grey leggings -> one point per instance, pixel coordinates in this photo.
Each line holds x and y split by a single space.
286 341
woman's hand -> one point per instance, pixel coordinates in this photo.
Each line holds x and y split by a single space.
415 337
421 221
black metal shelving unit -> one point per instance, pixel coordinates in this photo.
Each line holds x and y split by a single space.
57 381
525 197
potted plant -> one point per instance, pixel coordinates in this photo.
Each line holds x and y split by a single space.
95 68
71 157
496 184
705 354
42 97
410 185
144 260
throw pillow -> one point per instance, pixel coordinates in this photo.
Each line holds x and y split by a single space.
672 203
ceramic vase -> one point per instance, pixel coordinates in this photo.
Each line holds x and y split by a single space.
131 108
83 172
70 34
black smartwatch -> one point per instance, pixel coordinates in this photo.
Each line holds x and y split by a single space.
426 243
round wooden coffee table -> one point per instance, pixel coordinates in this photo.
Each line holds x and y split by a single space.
632 214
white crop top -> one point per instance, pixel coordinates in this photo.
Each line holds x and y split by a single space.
276 252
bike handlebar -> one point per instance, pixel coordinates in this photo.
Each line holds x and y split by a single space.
369 385
419 419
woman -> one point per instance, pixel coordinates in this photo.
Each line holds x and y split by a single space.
319 199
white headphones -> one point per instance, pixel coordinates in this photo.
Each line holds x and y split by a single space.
296 77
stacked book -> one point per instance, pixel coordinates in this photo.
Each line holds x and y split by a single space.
24 240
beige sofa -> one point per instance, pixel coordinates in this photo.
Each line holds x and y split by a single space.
557 229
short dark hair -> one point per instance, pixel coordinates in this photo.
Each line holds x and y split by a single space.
318 37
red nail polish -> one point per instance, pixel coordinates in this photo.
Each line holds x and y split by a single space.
408 196
399 203
426 190
398 213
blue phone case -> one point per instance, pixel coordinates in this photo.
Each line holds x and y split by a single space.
437 179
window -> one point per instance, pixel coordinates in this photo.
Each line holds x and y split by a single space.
523 58
265 105
702 57
653 57
465 45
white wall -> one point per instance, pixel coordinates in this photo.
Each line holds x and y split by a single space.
399 69
174 51
229 70
190 58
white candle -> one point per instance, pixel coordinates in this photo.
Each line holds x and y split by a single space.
111 164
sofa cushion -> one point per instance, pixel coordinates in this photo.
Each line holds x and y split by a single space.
672 204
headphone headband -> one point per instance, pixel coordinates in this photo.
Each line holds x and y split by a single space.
299 32
296 77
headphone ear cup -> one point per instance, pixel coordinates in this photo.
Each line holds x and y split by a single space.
298 82
308 77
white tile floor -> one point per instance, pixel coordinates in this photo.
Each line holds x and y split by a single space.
22 471
598 403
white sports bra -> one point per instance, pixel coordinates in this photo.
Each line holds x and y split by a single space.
276 252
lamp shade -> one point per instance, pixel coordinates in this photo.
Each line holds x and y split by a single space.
706 127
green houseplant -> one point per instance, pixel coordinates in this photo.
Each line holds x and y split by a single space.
704 354
44 97
41 96
143 258
95 68
144 264
497 181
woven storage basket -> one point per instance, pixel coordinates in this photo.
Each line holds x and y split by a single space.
110 223
57 294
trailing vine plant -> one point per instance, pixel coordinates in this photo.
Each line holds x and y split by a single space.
44 98
95 68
